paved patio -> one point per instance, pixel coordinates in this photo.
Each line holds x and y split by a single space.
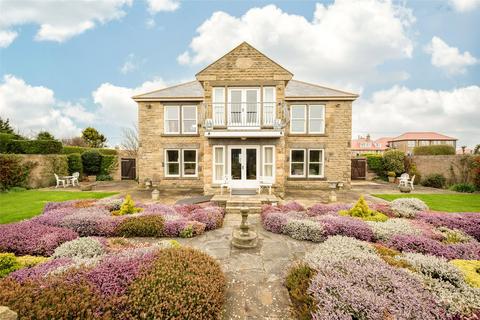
255 276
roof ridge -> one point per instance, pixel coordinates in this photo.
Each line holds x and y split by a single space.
325 87
174 86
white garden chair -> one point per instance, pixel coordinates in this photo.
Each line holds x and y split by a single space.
265 182
403 180
75 177
225 184
411 181
59 181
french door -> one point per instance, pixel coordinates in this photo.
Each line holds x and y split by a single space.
244 107
243 163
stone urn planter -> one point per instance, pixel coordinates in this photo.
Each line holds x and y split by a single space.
391 179
91 178
404 189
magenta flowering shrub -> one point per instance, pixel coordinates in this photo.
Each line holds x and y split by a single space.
32 238
159 209
186 209
210 216
274 222
345 226
467 222
370 289
384 208
92 221
172 228
421 244
40 270
292 206
322 209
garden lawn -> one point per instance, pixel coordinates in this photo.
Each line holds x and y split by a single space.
15 206
442 202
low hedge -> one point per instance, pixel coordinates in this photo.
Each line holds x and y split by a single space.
434 180
92 161
74 149
34 146
108 164
434 150
5 138
142 226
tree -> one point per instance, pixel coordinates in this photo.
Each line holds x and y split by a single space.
93 138
477 149
5 126
45 135
130 141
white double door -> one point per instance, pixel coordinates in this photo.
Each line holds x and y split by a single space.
244 163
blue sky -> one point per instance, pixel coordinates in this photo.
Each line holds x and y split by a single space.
415 63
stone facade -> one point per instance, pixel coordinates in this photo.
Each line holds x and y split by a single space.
245 67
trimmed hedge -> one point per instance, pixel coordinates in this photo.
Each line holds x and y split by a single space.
75 163
34 146
14 173
74 149
375 163
434 150
108 164
5 138
92 161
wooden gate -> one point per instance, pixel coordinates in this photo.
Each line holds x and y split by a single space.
128 169
359 169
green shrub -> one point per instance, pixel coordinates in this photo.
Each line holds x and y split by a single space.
104 177
393 160
476 172
92 161
434 150
183 283
463 187
34 146
413 171
127 207
8 263
141 226
13 171
75 163
5 138
434 180
297 283
75 149
108 164
362 211
375 164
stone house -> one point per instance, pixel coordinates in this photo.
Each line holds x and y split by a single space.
244 118
363 145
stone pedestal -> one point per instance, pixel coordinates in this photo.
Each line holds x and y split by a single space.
243 237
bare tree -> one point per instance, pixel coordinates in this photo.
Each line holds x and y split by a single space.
130 140
74 142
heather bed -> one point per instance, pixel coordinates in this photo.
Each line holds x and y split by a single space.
405 263
96 278
64 221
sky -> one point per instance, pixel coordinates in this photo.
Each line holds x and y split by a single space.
69 64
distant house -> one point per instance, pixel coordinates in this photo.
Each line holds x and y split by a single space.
367 145
464 151
409 140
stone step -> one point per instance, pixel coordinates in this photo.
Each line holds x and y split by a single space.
233 203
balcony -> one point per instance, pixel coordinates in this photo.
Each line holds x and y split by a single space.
243 120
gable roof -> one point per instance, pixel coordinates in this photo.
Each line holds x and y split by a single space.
422 136
300 89
243 46
184 91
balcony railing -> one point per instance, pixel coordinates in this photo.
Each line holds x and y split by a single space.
243 114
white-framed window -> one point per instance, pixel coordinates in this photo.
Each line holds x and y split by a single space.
436 142
268 166
298 119
269 103
424 142
172 119
218 164
315 163
297 163
172 163
189 119
189 162
411 143
218 104
316 118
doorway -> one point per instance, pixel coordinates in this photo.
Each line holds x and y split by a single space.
243 163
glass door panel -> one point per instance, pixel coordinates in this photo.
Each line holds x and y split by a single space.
252 107
236 164
251 164
236 107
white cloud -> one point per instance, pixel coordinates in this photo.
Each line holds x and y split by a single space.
465 5
6 38
399 109
150 23
449 58
34 108
130 64
59 20
155 6
344 42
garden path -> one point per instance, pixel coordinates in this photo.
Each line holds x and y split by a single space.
255 277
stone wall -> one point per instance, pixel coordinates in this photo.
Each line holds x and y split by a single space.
439 164
45 166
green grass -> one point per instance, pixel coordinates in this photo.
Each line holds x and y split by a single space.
15 206
442 202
